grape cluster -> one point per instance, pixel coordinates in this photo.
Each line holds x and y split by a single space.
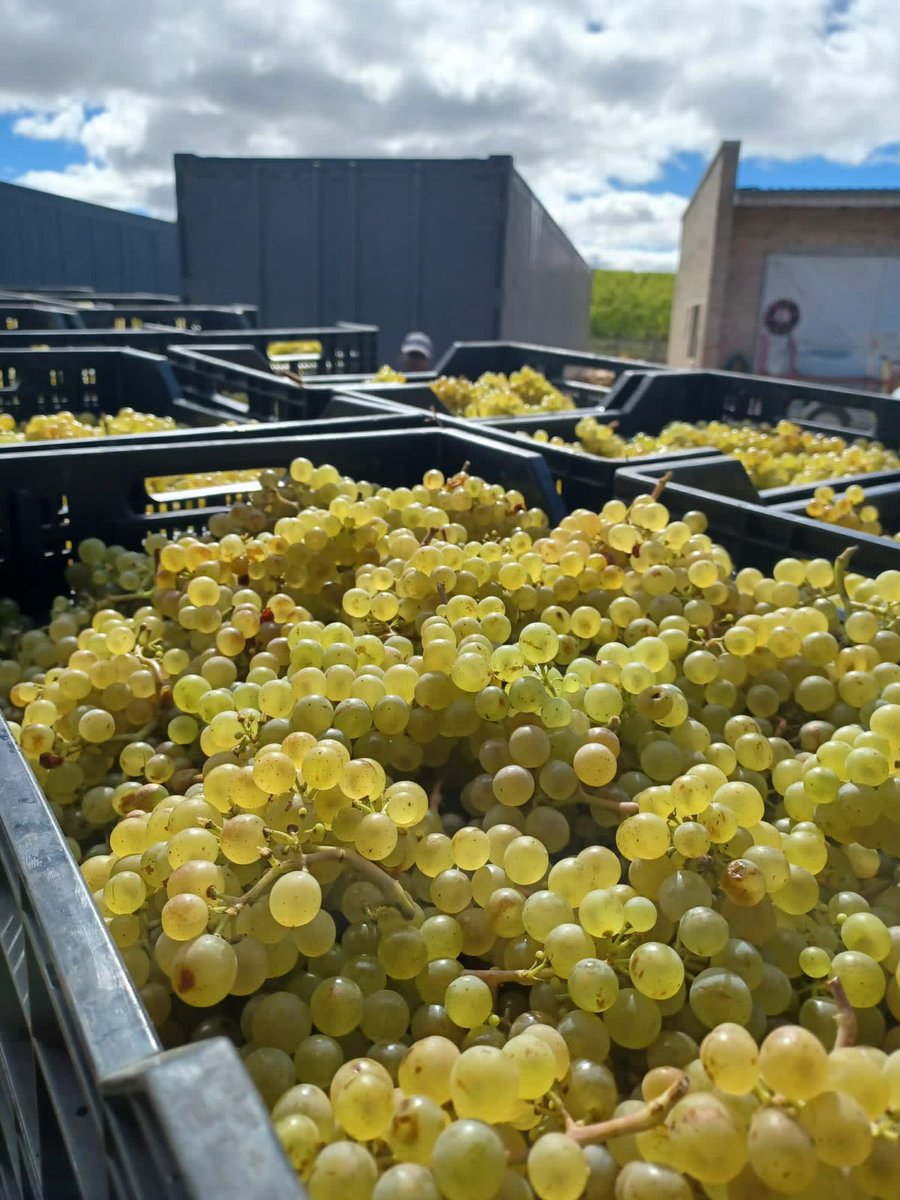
517 861
494 394
851 510
772 456
388 374
66 425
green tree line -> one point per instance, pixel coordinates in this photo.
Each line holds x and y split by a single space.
631 304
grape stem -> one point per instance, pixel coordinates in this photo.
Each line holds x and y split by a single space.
497 975
845 1018
648 1117
841 563
392 889
660 485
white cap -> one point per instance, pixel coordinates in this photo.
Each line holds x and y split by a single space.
417 343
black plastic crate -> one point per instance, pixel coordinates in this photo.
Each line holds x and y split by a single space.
757 528
582 480
556 363
418 394
661 397
96 381
91 1108
181 316
38 316
103 381
243 386
49 501
345 349
87 295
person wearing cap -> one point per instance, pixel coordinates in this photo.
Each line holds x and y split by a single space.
416 352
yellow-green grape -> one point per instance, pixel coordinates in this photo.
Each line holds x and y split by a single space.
469 1161
705 1139
781 1151
203 971
557 1168
415 1126
535 1063
406 1181
427 1066
731 1059
295 898
484 1084
656 970
336 1006
343 1168
794 1062
184 917
633 1020
839 1127
124 893
364 1106
593 985
526 860
468 1001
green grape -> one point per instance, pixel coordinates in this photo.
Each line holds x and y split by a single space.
593 985
468 1001
203 971
469 1161
427 1067
557 1169
793 1062
656 970
406 1181
342 1169
484 1084
536 1065
781 1151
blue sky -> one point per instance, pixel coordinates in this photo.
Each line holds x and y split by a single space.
682 173
610 111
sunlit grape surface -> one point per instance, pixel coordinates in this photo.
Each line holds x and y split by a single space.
517 861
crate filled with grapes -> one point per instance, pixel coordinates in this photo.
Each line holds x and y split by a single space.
763 527
584 449
647 403
516 854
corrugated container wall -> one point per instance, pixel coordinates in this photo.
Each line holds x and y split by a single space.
458 248
52 241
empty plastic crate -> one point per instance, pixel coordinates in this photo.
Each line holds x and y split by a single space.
182 316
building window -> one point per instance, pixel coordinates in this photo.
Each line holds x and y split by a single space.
693 330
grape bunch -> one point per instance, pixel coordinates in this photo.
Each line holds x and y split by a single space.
494 394
851 510
516 861
772 456
66 425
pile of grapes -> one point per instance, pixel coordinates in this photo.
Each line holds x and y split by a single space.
517 861
66 425
494 394
772 456
851 510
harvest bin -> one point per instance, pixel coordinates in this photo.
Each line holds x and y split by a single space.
190 389
50 501
182 316
757 528
656 399
460 248
347 349
91 1108
38 316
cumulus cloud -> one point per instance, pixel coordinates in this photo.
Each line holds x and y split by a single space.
592 97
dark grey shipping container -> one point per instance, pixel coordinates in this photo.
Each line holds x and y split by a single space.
460 248
51 241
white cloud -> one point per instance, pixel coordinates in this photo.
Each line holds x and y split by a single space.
66 124
578 109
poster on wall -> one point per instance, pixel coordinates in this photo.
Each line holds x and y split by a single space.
831 319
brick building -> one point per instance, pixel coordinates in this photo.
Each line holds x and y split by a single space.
834 255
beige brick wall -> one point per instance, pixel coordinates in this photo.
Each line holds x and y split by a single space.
757 232
702 267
